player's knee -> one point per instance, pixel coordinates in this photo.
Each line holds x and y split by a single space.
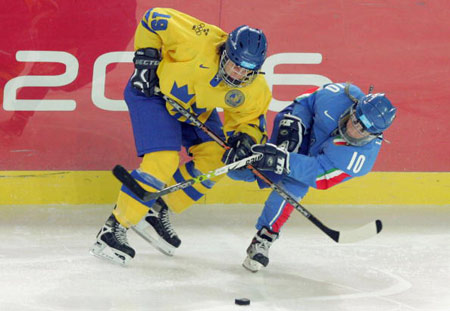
161 164
207 156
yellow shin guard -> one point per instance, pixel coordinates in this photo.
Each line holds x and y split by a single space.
206 157
156 169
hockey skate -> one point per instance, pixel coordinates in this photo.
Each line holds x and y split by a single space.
258 251
156 229
112 243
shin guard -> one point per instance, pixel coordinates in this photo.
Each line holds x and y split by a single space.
206 157
154 172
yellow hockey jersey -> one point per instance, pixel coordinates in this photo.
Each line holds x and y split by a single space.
189 67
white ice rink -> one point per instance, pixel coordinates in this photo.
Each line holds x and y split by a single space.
45 264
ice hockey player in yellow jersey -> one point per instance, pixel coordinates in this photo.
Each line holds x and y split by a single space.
202 68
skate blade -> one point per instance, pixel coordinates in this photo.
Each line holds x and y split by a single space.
251 265
143 230
102 251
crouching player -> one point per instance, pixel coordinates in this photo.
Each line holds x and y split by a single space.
320 140
202 68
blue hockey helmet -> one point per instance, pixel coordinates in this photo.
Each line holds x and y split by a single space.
370 117
246 49
375 112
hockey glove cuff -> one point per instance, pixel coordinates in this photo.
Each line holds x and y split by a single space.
290 133
144 78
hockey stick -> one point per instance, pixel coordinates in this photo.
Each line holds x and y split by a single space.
122 174
358 234
193 119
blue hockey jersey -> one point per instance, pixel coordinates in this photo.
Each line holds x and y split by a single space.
325 159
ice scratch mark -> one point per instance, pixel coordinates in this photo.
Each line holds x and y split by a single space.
400 285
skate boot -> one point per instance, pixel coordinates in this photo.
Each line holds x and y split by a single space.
112 243
258 251
156 229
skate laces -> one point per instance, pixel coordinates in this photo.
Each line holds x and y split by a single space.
120 232
164 216
262 243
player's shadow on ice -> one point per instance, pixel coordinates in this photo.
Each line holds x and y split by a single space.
186 270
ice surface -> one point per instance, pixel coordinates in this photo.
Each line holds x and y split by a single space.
45 264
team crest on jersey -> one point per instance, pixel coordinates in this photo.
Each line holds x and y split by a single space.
234 98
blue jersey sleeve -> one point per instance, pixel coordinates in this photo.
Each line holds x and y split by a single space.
303 107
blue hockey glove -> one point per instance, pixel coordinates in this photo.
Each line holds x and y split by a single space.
144 78
241 147
290 133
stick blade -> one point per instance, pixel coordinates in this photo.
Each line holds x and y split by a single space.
362 233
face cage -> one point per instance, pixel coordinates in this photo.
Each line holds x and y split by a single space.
342 126
230 81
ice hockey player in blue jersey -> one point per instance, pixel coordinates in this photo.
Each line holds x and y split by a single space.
322 139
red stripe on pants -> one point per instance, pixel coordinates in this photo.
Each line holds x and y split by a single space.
287 210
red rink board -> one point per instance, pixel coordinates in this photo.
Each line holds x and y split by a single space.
401 47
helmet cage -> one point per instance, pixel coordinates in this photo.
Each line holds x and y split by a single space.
359 126
228 70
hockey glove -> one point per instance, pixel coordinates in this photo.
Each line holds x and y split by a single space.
274 163
144 78
241 147
290 133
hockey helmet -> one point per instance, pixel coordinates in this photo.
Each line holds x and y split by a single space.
370 117
244 54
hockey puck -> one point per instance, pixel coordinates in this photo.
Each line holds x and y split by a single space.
242 301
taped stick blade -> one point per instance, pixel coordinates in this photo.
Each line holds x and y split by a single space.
362 233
